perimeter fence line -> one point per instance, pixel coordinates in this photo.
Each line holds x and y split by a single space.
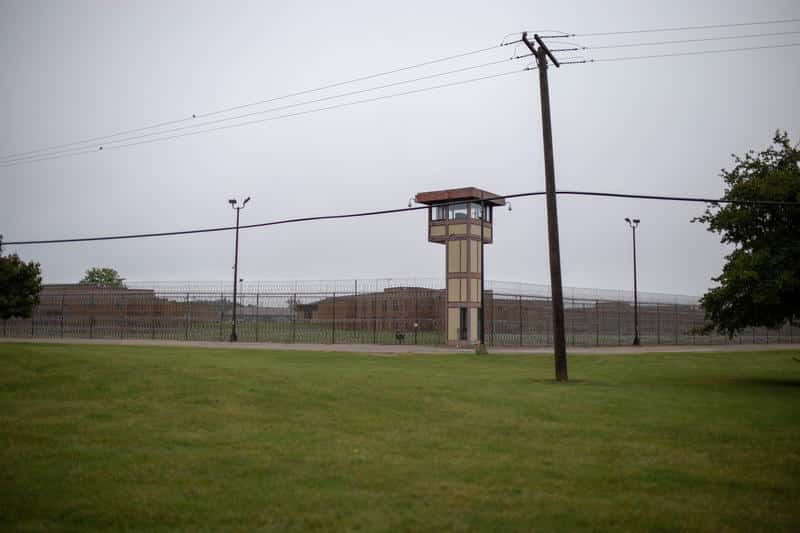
377 311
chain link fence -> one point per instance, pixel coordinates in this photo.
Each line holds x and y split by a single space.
378 311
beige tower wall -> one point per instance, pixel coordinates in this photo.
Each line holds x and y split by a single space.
473 325
475 290
452 324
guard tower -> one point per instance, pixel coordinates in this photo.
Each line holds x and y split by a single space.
455 218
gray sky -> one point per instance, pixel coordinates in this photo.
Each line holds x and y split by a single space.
75 69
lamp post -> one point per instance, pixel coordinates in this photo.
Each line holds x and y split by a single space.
633 225
482 346
237 207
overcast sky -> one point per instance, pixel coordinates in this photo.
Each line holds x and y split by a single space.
73 70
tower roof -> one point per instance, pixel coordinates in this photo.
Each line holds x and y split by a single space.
466 194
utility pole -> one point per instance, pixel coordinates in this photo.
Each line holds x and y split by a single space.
559 339
238 208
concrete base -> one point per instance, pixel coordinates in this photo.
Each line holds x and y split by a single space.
462 345
480 349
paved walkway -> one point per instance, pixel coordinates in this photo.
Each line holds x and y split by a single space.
399 349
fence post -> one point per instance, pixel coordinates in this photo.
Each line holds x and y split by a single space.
375 317
676 323
62 317
117 320
188 314
294 317
333 322
520 320
571 321
658 323
619 323
356 330
221 312
416 314
152 319
125 317
545 327
258 313
596 323
493 318
33 322
113 319
91 317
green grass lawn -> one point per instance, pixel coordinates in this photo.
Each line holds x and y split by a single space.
143 438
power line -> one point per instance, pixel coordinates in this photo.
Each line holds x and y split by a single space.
278 117
681 198
682 28
46 153
701 52
685 41
76 151
249 104
403 210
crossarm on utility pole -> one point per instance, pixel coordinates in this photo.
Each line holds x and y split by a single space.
546 50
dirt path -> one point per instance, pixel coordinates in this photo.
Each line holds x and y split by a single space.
398 349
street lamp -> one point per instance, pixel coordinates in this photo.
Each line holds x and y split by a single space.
633 225
237 207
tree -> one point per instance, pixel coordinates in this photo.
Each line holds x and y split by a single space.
103 277
760 282
20 284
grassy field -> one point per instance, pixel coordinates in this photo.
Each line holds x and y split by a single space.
142 438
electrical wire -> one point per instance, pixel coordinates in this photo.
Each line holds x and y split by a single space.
249 104
278 117
45 153
32 158
701 52
713 201
685 28
685 41
680 198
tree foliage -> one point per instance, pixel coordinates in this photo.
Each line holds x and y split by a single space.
760 282
103 277
20 284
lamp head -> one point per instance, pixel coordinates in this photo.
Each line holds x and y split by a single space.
232 201
509 205
245 201
636 221
627 220
410 201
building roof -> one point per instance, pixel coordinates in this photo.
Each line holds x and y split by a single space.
453 195
88 288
